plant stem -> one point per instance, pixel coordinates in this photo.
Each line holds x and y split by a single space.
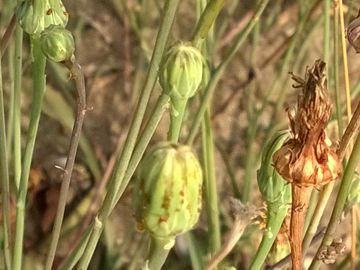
5 190
170 9
206 20
210 188
157 255
219 71
340 200
4 42
177 111
17 104
10 117
276 217
38 93
78 75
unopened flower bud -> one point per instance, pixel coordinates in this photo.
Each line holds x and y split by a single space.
181 71
353 33
272 186
57 43
168 192
36 15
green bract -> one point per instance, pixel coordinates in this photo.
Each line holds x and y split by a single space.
57 43
168 192
181 71
272 186
36 15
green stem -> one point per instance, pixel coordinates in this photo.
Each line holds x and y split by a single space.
158 255
134 161
194 251
5 190
340 200
170 9
206 20
219 71
38 93
10 117
211 197
276 217
177 111
17 104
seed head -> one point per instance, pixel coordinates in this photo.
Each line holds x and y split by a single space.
353 33
168 192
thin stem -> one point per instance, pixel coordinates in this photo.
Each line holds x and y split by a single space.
177 111
276 217
138 152
17 104
4 42
210 188
10 117
219 71
340 200
78 76
206 20
170 9
5 190
157 255
38 93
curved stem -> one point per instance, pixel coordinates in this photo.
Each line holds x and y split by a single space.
38 93
276 217
177 111
78 75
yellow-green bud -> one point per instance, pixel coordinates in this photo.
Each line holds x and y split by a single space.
181 71
272 186
168 192
36 15
57 43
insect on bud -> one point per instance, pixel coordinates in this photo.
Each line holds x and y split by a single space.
353 33
181 71
168 192
57 43
272 186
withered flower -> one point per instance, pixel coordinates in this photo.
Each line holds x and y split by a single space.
307 160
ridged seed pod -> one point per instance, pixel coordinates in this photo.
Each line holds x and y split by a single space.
181 71
168 192
57 43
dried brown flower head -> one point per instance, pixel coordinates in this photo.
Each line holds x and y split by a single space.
353 33
307 159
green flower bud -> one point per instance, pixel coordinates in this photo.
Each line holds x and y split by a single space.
354 193
57 43
168 192
272 186
36 15
181 71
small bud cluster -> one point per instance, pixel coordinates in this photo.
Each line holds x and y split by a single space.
47 19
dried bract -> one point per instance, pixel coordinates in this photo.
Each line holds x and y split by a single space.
307 158
353 33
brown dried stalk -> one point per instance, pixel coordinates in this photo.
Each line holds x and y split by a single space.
307 159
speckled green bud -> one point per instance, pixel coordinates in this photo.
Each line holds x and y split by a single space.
57 43
181 71
168 192
36 15
272 186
